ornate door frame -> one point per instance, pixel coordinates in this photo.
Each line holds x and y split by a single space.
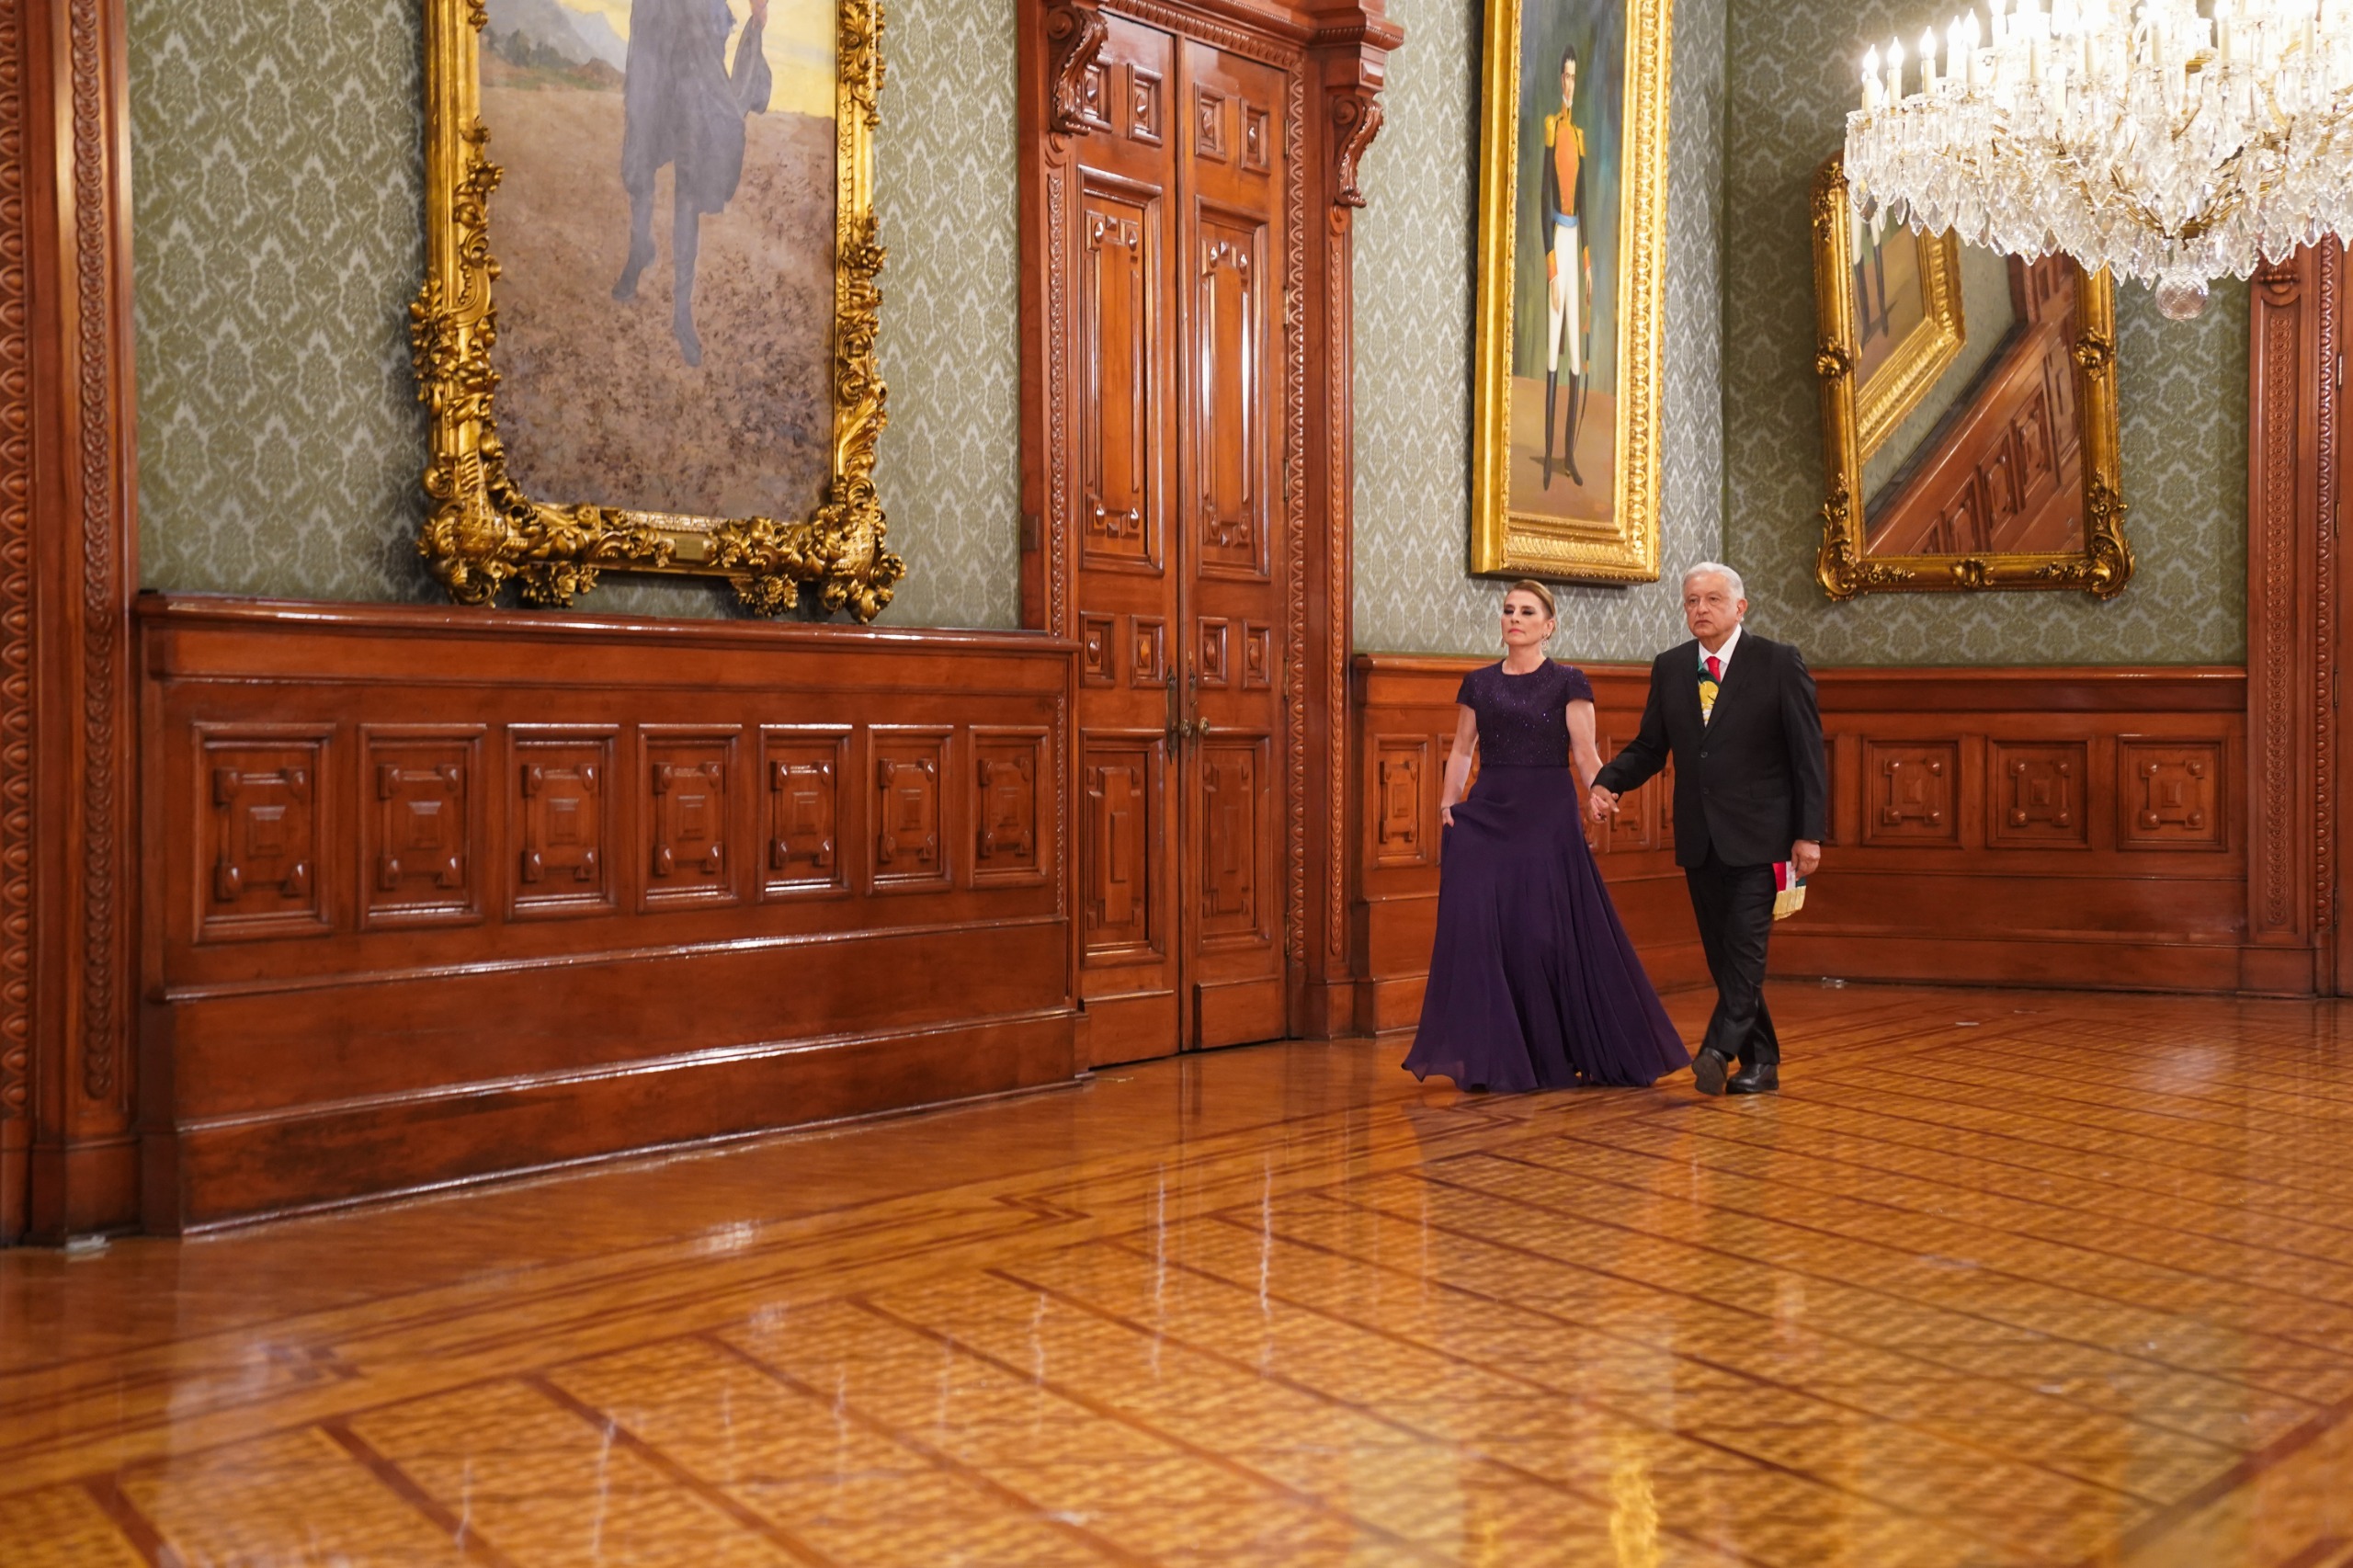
68 573
1334 62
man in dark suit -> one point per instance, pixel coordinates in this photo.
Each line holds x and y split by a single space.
1737 714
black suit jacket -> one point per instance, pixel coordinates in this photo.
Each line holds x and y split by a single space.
1748 781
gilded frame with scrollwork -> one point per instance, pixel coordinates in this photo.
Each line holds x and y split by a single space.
2104 565
483 532
1519 543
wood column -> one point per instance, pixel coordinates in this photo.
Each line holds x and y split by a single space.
1347 63
2293 435
68 572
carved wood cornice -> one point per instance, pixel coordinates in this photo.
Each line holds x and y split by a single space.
1075 35
1356 120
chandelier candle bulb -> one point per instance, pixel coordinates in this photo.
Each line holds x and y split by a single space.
2168 146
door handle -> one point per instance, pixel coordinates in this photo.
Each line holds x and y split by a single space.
1177 728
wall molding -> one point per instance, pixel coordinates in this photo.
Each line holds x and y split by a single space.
2075 826
438 895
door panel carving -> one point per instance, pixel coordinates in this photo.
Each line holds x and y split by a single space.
1119 317
1228 378
1177 403
1234 841
1124 846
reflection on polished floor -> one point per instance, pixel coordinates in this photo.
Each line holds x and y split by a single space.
2000 1278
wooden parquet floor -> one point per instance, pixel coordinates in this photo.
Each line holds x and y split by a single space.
2000 1278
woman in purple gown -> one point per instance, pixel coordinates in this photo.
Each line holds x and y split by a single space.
1533 985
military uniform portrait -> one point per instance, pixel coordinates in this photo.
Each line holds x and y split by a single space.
1571 236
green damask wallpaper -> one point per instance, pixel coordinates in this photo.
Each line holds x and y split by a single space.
1412 375
2180 386
278 211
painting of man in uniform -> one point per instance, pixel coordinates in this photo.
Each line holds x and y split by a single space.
664 232
1564 387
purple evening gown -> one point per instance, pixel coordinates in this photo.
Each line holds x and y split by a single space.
1533 985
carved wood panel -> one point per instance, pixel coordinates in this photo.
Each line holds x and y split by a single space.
2169 794
1099 654
2037 791
564 816
1228 373
805 766
1210 652
1404 797
1147 109
1209 125
1635 827
911 825
1010 768
1234 841
421 827
688 813
1150 665
1120 312
1121 848
1912 792
265 830
1257 656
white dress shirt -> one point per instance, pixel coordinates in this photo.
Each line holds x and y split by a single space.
1722 656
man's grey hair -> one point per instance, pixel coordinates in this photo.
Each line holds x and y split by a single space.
1716 568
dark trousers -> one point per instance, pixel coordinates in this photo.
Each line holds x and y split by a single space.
1734 907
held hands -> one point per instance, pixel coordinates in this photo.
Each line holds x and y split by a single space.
1805 856
1601 804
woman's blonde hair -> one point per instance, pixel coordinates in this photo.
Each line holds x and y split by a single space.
1537 591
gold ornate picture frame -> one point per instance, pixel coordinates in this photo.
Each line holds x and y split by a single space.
1580 189
1846 567
483 531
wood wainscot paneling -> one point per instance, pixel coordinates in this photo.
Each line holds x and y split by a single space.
2051 828
437 895
1404 728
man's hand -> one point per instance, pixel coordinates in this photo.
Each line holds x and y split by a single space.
1805 856
760 12
1602 803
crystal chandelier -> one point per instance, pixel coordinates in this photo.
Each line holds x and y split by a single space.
2168 146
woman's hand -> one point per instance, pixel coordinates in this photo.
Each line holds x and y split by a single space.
1445 816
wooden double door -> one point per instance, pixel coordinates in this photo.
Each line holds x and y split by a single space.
1179 569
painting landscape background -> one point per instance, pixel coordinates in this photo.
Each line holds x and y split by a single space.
595 402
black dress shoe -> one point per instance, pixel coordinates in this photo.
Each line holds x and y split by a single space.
1757 1078
1708 1071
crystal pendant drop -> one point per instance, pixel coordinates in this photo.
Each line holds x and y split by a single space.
2180 298
2169 143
